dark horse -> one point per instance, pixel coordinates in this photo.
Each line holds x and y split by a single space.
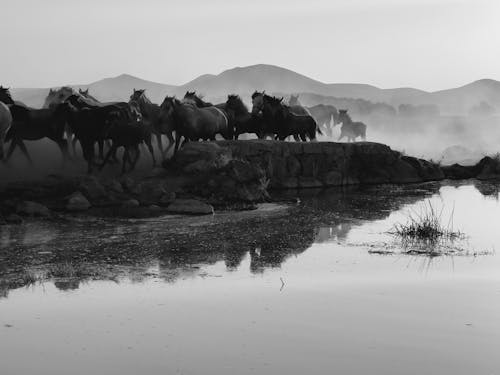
128 135
350 129
91 124
33 124
243 120
153 121
282 121
194 123
324 114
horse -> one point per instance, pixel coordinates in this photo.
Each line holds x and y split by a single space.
283 122
34 124
350 129
243 120
80 102
5 117
322 113
151 118
128 135
194 123
91 125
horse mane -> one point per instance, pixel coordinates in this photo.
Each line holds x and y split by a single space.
240 106
6 92
197 99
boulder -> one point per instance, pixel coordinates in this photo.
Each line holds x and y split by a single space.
131 203
92 189
115 187
150 192
14 219
77 202
190 206
167 198
29 208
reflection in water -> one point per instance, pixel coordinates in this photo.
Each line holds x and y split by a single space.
280 290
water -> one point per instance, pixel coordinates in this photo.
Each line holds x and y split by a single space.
299 288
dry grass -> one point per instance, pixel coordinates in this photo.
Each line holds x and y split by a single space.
425 233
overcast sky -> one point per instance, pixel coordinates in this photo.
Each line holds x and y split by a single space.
427 44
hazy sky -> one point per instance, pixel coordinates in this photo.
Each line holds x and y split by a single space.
428 44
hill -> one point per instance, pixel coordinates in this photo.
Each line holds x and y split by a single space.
245 80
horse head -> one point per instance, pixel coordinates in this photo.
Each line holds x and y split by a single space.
294 100
257 101
236 105
137 94
58 96
5 96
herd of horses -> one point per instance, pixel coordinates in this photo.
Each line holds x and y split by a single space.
69 117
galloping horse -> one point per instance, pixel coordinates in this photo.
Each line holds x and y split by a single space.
324 114
57 96
282 120
243 120
33 124
152 120
350 129
5 117
194 123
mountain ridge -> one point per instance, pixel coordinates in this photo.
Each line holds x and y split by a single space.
272 78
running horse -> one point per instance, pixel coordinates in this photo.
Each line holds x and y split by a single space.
5 117
324 114
33 124
151 118
281 120
350 129
194 123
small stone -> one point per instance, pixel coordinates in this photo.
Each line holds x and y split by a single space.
77 202
92 189
154 207
167 198
14 219
131 203
115 186
190 206
29 208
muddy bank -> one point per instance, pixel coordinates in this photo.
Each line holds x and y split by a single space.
234 175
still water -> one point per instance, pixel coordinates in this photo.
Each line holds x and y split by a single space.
315 286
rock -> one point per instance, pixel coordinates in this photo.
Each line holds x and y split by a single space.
190 206
167 198
77 202
211 153
154 207
130 186
92 188
150 192
14 219
115 186
130 203
242 171
29 208
333 178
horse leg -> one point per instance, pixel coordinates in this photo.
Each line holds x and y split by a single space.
101 148
22 146
296 137
125 159
138 154
12 147
149 145
177 142
160 145
111 151
63 146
